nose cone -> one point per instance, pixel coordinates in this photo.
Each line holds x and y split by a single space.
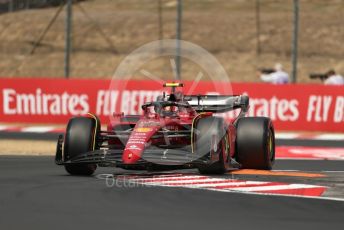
136 144
131 156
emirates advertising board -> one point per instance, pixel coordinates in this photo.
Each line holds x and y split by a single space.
54 101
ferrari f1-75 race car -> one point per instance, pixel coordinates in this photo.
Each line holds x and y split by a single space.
175 132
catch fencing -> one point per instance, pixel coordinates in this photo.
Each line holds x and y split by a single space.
242 35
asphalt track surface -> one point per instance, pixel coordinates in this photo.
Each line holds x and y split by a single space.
36 194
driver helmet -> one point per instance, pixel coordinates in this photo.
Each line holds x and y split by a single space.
170 108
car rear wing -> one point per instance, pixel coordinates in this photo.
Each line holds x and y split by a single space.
218 103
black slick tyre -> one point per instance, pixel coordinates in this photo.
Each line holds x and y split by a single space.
255 143
80 138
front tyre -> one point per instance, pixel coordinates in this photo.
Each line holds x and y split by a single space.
255 143
80 138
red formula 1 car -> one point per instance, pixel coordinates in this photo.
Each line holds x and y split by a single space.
175 132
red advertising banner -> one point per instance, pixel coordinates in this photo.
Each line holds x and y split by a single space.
291 107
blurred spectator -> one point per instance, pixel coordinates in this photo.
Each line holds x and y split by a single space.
333 78
277 76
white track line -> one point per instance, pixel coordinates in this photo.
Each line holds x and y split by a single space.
286 135
3 127
275 187
38 129
173 178
212 182
211 185
332 136
190 181
278 135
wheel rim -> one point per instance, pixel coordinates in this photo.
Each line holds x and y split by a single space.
271 146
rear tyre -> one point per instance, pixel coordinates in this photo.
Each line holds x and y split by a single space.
80 138
255 143
211 140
